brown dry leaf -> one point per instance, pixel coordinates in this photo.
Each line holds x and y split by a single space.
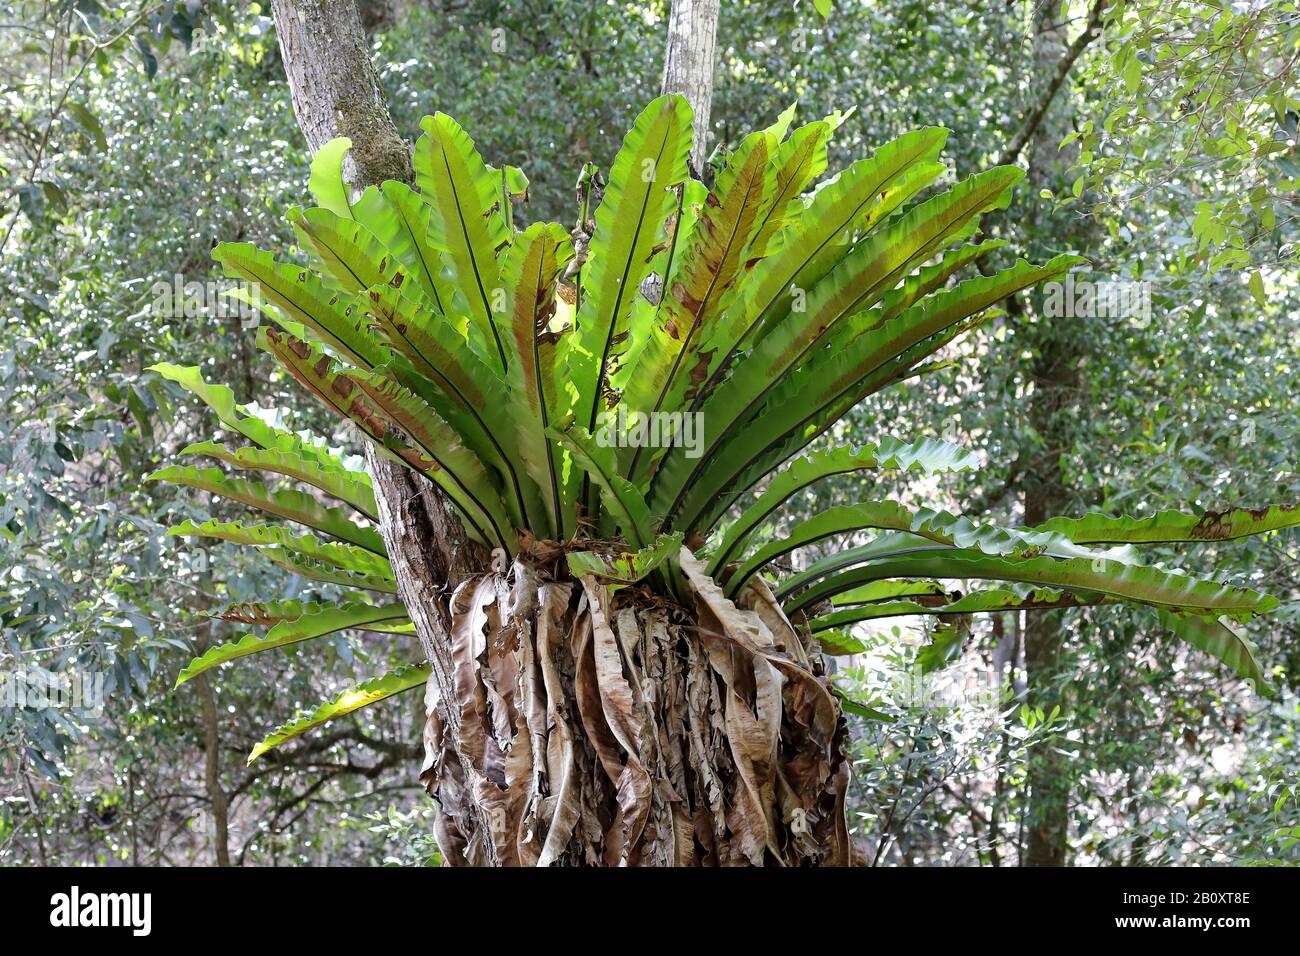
818 701
758 597
560 752
619 707
611 729
811 724
475 619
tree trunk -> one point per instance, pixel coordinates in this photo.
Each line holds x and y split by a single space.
336 92
568 724
1049 781
212 760
1059 345
688 64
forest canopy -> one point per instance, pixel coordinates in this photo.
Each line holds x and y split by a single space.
972 540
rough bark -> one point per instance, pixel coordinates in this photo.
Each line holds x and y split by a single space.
336 92
689 62
335 87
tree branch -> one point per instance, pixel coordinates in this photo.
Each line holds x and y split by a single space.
1091 30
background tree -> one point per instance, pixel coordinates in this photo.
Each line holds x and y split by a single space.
1193 407
767 375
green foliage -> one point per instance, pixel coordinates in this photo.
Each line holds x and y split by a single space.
363 695
1192 410
1198 103
205 148
314 620
853 293
621 570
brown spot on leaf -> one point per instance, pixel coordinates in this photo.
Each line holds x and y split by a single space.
248 614
699 372
1212 526
342 386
